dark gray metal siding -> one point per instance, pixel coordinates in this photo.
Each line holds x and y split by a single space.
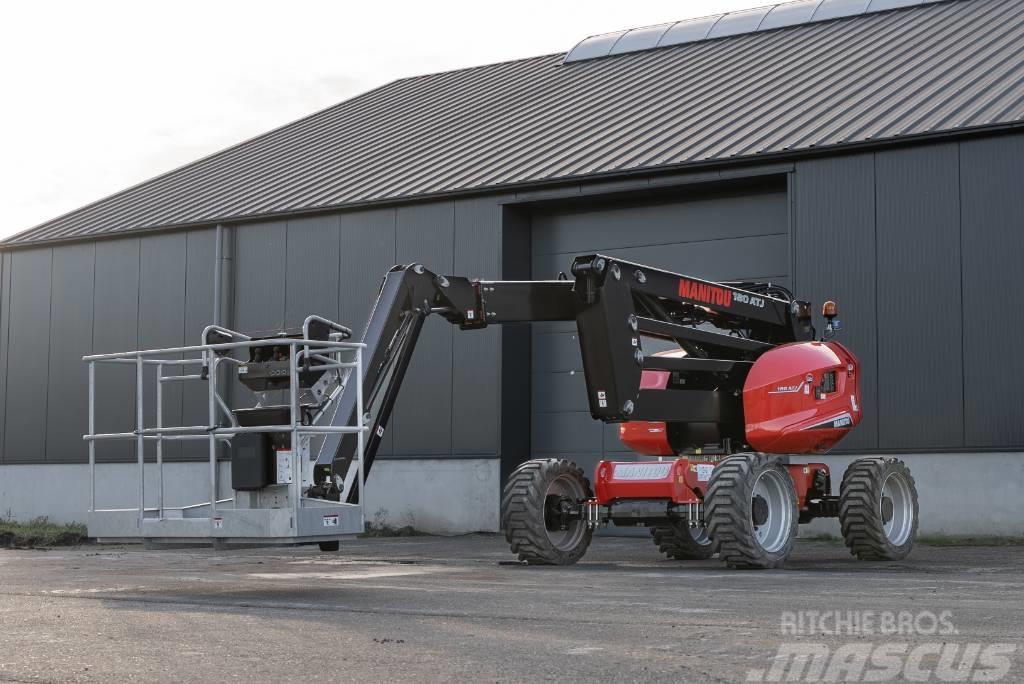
260 276
992 176
834 258
947 66
162 302
198 268
312 276
920 357
5 291
883 233
28 345
70 337
116 328
91 297
721 236
921 248
422 422
367 252
333 266
476 369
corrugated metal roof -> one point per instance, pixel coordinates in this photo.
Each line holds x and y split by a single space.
937 67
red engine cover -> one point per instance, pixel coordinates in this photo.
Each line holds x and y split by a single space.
801 398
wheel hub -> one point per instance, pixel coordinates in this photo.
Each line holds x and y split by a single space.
759 511
562 520
558 513
887 509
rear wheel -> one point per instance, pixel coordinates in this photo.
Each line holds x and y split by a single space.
329 546
539 512
751 511
683 542
878 509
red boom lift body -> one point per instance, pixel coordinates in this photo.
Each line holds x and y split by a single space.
714 385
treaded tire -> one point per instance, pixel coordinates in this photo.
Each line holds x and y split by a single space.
330 546
523 506
728 510
860 509
677 542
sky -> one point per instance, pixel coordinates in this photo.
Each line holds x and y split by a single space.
100 95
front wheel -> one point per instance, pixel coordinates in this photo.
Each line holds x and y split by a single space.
540 512
878 509
751 511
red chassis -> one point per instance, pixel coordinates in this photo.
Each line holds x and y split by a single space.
799 398
684 481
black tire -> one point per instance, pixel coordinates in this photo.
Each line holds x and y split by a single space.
878 509
729 509
681 543
531 531
330 546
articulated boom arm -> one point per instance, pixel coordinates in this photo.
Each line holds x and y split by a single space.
720 328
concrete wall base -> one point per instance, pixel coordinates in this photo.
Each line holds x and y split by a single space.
61 492
960 494
439 496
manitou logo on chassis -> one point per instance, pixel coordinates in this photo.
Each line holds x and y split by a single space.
702 292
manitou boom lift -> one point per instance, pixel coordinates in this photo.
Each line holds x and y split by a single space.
743 385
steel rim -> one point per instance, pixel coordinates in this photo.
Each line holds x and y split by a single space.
899 527
774 533
567 487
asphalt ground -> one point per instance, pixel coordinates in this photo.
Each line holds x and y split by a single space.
457 609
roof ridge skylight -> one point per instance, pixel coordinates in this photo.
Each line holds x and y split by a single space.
728 24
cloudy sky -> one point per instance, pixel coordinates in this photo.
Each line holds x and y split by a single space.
103 94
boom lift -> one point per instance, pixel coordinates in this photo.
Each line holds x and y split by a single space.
716 384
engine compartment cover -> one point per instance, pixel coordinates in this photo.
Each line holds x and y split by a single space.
802 398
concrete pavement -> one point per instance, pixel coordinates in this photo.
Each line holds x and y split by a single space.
456 609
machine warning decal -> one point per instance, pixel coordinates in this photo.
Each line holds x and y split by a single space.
704 471
602 399
702 292
380 430
641 471
218 523
330 521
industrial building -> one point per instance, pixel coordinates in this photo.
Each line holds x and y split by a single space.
867 151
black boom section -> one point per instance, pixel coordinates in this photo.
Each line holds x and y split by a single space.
407 296
720 329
